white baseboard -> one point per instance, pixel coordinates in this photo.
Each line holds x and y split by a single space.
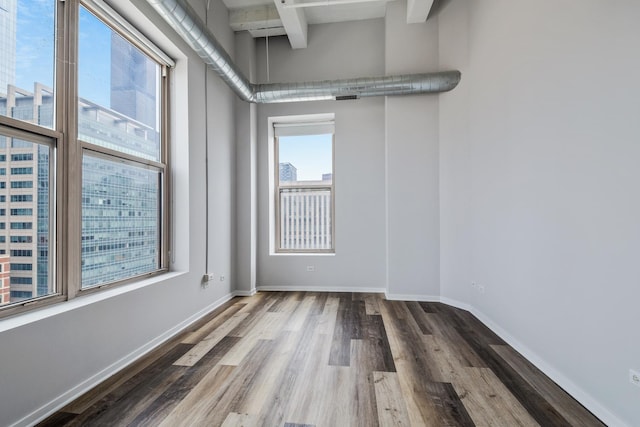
77 391
409 297
556 376
249 293
319 289
456 304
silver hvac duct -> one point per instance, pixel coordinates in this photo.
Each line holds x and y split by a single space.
183 19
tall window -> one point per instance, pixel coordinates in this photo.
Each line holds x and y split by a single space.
119 124
304 187
98 90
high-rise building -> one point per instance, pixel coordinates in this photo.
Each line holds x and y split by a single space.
8 20
111 249
5 285
288 172
134 90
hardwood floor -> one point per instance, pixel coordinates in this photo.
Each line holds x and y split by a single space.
329 359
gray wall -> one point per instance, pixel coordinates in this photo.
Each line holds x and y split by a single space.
359 261
411 144
50 355
539 184
521 180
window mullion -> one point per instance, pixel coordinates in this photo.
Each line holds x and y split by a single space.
70 157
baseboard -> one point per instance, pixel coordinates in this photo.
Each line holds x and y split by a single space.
319 289
249 293
565 383
456 304
67 397
411 297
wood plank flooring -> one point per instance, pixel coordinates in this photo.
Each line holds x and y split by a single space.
304 359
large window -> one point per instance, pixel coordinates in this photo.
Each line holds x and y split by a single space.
304 187
83 143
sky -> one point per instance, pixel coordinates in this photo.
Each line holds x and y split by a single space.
35 49
311 155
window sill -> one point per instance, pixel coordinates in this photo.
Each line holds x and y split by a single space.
33 316
302 254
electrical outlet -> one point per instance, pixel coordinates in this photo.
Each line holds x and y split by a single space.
634 377
311 268
208 277
222 278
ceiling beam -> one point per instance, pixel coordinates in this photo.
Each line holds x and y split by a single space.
254 18
294 22
418 10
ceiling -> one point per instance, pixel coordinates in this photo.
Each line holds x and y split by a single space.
292 17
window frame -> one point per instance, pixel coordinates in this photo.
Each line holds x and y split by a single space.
277 190
67 151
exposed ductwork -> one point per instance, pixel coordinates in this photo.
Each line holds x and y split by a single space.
183 19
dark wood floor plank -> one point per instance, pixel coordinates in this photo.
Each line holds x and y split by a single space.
116 399
419 316
448 333
329 359
541 410
377 345
567 406
341 343
451 410
58 419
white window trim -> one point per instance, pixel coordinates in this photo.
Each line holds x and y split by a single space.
273 238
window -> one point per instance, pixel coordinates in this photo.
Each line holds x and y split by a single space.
21 184
21 171
21 157
21 239
21 198
116 115
304 186
21 211
123 166
21 225
21 252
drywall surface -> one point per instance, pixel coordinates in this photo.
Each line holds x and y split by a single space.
539 169
335 51
50 360
246 172
411 146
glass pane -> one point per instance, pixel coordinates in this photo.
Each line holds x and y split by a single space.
305 158
120 221
305 218
25 221
119 92
27 35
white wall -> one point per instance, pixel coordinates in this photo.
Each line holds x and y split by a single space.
359 261
411 145
246 172
539 184
74 345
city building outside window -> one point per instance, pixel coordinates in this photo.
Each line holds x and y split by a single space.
113 169
304 186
